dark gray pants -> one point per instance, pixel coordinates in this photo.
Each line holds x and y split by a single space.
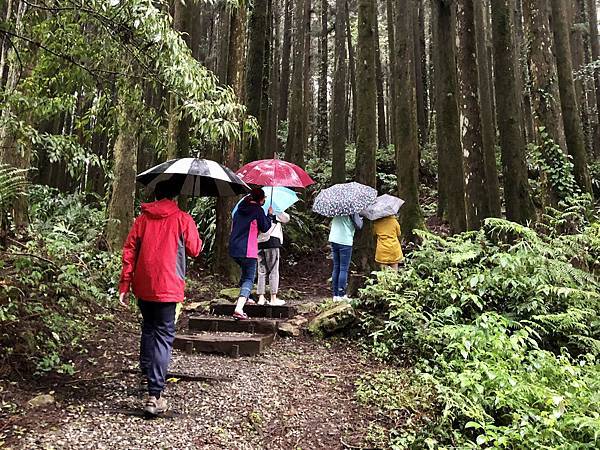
156 344
268 266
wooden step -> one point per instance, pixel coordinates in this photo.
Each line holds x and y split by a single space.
267 311
230 325
232 344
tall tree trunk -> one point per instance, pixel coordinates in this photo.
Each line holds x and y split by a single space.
307 92
407 144
578 38
294 150
275 86
120 208
595 44
179 126
574 136
225 24
286 50
257 30
488 128
517 194
450 158
472 141
524 79
323 122
381 130
340 107
353 87
11 152
235 78
266 83
390 13
420 70
366 118
544 80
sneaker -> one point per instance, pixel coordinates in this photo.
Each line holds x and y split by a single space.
345 298
337 298
277 302
155 406
262 300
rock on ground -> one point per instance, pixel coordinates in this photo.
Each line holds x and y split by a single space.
332 320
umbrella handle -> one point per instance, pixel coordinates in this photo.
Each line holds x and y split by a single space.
271 205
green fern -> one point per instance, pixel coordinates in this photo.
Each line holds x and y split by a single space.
13 183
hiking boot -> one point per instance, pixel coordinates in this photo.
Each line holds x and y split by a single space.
277 302
155 406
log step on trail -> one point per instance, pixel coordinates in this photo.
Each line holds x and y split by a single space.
229 344
230 325
186 376
266 311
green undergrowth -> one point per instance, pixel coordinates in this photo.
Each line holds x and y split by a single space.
55 283
502 332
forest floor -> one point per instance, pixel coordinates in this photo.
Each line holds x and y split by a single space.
299 394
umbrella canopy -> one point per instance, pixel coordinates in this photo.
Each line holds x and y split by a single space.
275 172
385 205
280 198
344 199
196 177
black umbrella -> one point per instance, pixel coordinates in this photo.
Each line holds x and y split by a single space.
195 177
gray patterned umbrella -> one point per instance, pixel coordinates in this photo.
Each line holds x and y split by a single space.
384 206
344 199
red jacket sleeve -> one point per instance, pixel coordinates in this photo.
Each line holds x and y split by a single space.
193 243
130 254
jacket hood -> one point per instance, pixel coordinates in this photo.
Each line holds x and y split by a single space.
160 209
247 207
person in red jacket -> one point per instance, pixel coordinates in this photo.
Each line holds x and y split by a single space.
154 270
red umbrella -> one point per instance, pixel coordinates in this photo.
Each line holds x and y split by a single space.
274 172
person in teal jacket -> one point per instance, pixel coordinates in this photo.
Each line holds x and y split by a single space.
341 237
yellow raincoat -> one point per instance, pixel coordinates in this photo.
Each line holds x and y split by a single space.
388 234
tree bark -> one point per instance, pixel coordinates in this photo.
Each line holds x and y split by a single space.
486 101
323 122
381 129
286 50
472 141
595 44
517 193
235 78
451 175
340 107
120 208
271 143
257 30
421 71
390 13
407 144
353 87
366 119
574 136
294 150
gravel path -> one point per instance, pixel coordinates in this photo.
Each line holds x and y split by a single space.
297 395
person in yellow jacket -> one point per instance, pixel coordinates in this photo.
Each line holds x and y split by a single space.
388 252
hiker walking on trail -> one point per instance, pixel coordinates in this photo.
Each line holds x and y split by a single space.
154 269
341 237
269 244
248 221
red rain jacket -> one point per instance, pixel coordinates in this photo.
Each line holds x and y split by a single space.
154 252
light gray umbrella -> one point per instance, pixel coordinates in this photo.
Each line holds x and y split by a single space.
344 199
385 205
